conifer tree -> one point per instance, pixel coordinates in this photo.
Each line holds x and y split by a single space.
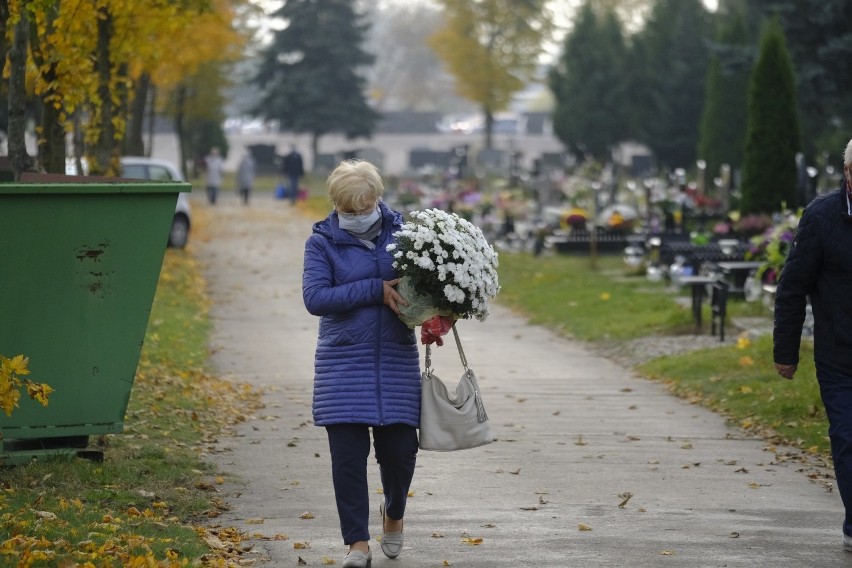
309 74
667 79
773 138
590 115
723 123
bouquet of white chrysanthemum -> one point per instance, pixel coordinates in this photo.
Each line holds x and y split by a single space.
446 266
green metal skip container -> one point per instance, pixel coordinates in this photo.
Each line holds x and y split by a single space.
79 264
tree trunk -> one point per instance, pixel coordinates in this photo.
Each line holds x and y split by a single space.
314 150
121 87
51 143
18 156
105 152
489 127
4 26
79 144
180 101
152 114
134 144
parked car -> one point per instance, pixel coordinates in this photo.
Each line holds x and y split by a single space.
138 167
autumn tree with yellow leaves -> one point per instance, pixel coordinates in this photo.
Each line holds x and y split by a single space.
92 64
492 47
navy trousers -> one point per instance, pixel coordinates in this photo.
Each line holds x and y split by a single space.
396 452
294 189
836 392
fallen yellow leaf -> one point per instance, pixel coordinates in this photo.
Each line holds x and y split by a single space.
584 527
471 540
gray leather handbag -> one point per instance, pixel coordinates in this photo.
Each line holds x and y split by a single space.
455 420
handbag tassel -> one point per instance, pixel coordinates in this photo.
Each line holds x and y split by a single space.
481 416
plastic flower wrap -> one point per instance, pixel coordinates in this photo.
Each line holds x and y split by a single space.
447 268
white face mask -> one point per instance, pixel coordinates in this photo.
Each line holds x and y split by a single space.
358 223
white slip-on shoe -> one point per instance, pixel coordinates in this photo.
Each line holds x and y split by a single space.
357 559
847 542
391 541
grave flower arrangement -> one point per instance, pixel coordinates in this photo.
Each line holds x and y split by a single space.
446 266
772 247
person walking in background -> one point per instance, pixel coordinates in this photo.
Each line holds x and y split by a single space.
245 176
367 365
819 266
293 168
213 165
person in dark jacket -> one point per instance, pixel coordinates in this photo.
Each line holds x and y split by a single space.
293 168
367 364
819 266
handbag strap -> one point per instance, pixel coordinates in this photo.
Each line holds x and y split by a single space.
458 344
481 415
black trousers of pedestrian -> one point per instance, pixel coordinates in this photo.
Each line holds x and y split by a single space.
294 189
836 392
396 452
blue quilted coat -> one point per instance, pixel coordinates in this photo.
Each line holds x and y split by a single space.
367 366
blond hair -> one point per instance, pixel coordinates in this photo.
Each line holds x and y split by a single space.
354 186
847 156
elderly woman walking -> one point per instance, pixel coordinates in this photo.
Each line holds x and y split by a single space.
367 366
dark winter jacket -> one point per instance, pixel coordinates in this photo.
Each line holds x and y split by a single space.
367 366
293 165
819 265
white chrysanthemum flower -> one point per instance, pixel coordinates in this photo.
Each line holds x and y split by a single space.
453 294
425 262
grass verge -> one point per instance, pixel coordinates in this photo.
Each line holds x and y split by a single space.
739 381
565 293
142 504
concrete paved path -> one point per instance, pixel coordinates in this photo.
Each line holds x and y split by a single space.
581 444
